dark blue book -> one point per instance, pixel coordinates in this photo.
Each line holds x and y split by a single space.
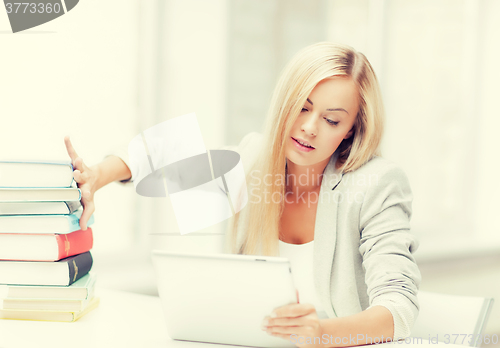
60 273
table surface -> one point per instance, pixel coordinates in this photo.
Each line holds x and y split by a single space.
122 319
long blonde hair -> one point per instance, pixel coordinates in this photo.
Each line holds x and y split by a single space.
306 69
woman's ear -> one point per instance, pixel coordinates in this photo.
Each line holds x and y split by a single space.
350 133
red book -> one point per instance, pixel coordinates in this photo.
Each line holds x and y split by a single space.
44 247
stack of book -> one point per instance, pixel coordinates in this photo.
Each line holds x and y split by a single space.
45 258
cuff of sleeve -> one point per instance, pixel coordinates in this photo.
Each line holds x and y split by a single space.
404 313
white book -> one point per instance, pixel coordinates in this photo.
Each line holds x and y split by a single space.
48 315
35 174
44 305
39 208
82 289
40 194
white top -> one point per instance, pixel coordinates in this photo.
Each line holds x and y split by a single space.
301 261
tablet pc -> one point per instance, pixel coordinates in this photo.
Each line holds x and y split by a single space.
222 298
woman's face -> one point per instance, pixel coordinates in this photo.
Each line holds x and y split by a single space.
325 120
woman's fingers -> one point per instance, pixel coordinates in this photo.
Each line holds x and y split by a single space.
71 150
81 178
75 159
81 172
293 310
84 178
80 165
88 210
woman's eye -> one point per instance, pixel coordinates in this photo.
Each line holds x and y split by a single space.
333 123
304 109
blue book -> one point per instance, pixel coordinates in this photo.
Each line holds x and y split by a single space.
60 224
36 174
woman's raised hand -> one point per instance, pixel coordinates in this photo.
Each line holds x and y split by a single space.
86 178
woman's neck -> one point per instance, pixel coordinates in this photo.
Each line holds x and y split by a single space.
304 179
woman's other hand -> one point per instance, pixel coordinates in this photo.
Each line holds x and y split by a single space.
297 323
86 178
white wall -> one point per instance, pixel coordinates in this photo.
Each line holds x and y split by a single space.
436 64
185 64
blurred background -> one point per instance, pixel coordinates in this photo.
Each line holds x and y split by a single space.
110 69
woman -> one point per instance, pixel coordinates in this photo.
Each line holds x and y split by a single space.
321 195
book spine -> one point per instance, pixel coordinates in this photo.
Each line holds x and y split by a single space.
74 221
72 176
72 206
78 266
74 243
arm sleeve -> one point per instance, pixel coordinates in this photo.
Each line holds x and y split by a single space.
242 148
387 246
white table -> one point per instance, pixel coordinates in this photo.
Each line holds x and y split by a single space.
122 320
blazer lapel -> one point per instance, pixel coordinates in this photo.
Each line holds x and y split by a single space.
325 235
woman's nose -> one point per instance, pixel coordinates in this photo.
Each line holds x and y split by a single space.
309 125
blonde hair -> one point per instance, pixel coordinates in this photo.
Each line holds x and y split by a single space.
306 69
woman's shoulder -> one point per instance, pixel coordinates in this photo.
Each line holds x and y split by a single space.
379 165
379 172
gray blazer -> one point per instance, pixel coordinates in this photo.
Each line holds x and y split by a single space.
363 248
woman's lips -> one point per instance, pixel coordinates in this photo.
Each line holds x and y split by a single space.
301 147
